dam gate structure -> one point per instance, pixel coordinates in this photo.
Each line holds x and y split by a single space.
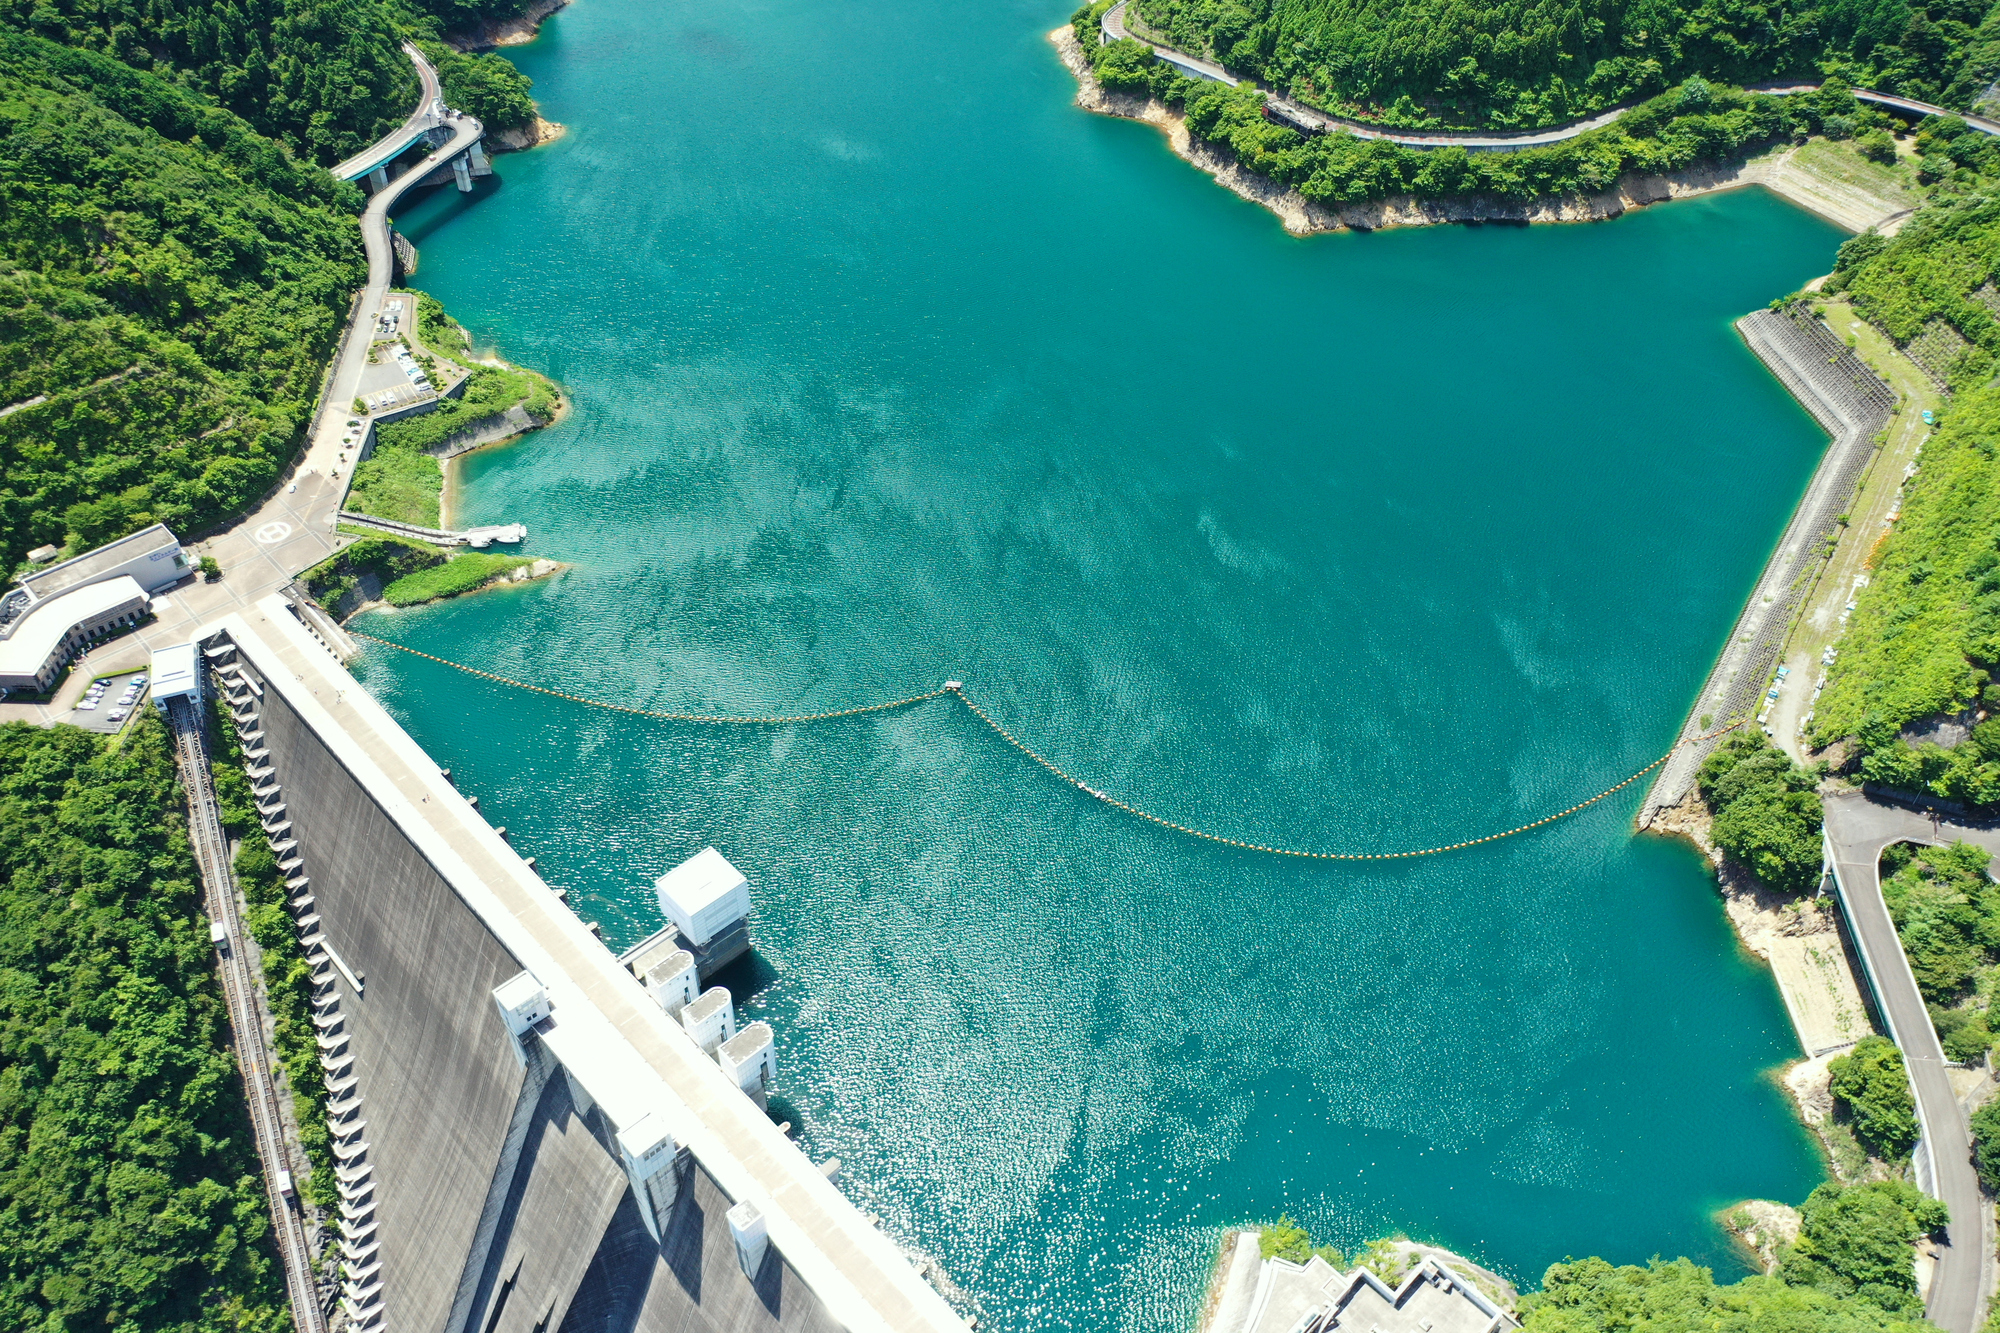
1845 395
526 1139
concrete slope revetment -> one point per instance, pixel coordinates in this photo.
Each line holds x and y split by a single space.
1851 401
538 1144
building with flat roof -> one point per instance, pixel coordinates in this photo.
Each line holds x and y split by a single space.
152 557
1316 1297
175 674
44 636
55 612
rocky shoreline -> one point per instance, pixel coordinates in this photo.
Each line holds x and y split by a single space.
1304 217
519 30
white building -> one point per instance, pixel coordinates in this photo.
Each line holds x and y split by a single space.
175 674
55 613
1316 1297
708 901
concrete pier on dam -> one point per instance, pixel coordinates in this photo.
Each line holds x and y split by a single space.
530 1139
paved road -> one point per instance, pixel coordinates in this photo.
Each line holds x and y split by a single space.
1857 829
294 528
1113 25
248 1012
429 113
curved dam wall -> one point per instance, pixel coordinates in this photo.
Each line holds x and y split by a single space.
498 1200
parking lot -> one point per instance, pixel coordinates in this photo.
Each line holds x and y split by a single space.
109 702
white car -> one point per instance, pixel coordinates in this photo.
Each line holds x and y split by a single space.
86 705
116 715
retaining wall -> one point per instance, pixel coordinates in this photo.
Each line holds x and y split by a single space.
1845 395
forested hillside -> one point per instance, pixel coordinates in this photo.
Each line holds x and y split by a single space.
1697 122
170 284
1529 63
325 77
129 1193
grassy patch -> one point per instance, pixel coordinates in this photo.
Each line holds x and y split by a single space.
397 483
387 558
1927 628
489 391
460 574
1839 163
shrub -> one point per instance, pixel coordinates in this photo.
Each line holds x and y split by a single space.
1855 1241
461 573
1766 813
1873 1086
1877 146
1986 1143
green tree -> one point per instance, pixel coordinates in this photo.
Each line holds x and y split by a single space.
1855 1240
1872 1084
1986 1143
1767 814
129 1194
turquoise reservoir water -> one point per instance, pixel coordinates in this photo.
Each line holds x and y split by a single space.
892 366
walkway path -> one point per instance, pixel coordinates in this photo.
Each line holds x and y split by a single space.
1115 29
1857 829
249 1014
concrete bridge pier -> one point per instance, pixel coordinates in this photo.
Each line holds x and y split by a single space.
378 179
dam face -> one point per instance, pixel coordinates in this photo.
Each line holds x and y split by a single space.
575 1174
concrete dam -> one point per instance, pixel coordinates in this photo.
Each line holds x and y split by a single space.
533 1135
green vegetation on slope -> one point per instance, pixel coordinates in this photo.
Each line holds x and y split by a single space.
1531 63
1872 1087
1591 1296
129 1195
169 282
326 77
397 483
1698 123
386 558
486 85
462 573
1926 631
1940 267
1767 814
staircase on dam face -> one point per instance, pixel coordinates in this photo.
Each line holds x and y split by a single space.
360 1248
551 1142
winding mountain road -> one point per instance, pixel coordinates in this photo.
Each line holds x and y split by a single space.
1114 29
428 115
294 527
1858 827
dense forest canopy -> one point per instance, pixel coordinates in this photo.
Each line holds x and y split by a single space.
129 1187
324 77
1529 63
170 283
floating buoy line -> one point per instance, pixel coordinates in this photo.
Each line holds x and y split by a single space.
957 690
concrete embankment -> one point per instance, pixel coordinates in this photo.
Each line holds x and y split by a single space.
1851 401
